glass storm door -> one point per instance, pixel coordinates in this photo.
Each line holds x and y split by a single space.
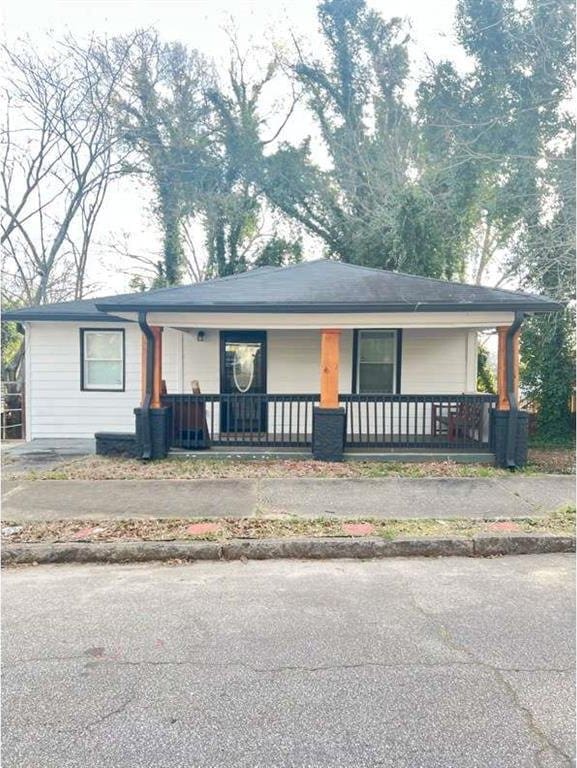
242 376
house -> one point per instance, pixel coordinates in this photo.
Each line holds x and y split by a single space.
322 356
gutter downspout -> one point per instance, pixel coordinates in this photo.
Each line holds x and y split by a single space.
511 393
145 408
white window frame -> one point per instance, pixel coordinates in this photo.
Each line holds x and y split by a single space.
84 385
357 362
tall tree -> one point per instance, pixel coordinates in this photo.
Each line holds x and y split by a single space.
496 124
59 152
237 216
179 120
504 126
378 202
164 116
548 342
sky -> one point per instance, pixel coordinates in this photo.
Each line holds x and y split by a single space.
201 24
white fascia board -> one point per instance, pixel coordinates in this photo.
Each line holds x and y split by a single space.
272 321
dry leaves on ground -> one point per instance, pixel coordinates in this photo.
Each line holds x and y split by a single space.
562 521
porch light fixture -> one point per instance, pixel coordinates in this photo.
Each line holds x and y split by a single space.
200 336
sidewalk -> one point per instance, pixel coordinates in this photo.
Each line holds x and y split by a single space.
386 498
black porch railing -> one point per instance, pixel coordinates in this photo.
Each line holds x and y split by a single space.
259 420
418 421
385 421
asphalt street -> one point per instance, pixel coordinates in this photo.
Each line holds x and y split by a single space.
446 663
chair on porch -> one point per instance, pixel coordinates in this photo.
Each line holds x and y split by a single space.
456 421
189 424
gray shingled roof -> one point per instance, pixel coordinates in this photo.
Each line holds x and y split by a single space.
313 286
81 309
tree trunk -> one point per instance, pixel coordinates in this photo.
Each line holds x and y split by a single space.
173 252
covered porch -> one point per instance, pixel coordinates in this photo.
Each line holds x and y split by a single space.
249 418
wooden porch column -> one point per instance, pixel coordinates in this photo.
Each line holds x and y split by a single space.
330 354
157 369
503 397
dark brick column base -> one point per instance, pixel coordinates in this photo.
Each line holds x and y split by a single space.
115 444
328 434
160 424
499 432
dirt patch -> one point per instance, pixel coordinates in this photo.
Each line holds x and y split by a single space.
552 460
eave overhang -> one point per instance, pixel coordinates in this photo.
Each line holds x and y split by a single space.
304 308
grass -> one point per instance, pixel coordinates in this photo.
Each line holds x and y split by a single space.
108 468
559 522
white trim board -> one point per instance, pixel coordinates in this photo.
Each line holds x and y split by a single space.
358 320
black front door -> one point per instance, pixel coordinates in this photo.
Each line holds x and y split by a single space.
242 376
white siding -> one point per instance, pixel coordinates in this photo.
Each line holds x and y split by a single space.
294 361
472 363
435 360
201 361
57 407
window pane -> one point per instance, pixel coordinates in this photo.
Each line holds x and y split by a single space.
103 374
103 346
377 347
376 378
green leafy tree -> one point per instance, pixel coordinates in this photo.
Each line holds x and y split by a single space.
485 376
504 126
495 124
235 210
191 134
278 252
549 373
377 203
548 342
165 117
12 348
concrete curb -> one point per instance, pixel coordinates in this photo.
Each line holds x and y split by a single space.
483 545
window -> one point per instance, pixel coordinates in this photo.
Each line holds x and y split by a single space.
376 361
102 359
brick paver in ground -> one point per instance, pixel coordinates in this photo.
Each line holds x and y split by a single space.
201 529
505 526
358 529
